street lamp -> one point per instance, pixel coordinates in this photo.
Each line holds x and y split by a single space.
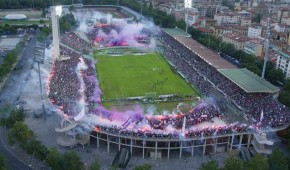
267 43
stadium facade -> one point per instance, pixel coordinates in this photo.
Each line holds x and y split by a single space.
208 141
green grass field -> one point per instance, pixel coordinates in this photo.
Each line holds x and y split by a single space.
136 75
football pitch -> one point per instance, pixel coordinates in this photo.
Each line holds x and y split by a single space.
139 75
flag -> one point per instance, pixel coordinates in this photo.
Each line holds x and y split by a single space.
262 117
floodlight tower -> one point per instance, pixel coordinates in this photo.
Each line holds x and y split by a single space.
55 14
187 5
267 43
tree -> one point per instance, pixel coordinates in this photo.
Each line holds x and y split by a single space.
150 6
68 160
257 18
43 13
114 167
257 163
227 48
2 163
228 4
95 165
54 159
224 2
277 160
34 26
72 9
275 76
194 32
181 24
21 133
284 97
233 164
45 31
287 85
2 4
213 45
143 167
65 26
210 165
67 22
169 21
4 112
13 4
35 148
253 68
16 115
71 161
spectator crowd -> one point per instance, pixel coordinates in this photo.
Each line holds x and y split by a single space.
207 78
64 85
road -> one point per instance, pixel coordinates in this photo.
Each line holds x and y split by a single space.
13 163
9 94
17 79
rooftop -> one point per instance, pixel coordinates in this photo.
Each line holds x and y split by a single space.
257 40
205 30
239 27
222 14
248 81
246 18
176 32
279 44
285 53
236 37
206 54
256 26
15 16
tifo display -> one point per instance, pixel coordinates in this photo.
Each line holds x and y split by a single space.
77 89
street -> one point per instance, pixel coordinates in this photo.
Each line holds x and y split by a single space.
10 94
17 79
12 161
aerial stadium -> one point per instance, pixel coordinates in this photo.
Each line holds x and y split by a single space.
122 82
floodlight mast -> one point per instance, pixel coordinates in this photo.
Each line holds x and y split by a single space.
55 14
267 44
187 5
186 22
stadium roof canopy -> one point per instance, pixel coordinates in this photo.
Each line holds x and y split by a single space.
209 56
176 32
15 17
248 81
136 14
212 58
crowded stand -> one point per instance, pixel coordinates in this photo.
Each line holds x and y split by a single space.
64 83
275 114
103 34
199 133
194 117
64 92
74 41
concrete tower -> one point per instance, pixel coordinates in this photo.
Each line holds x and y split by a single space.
55 13
187 5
